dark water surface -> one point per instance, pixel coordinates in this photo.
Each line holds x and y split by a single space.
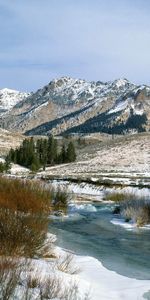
91 233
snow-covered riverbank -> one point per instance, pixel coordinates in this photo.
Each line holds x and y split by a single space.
94 279
107 284
88 192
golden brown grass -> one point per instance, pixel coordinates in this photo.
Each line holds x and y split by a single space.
24 196
131 207
119 197
137 210
24 208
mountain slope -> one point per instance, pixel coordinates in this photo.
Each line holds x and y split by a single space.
122 160
9 140
69 105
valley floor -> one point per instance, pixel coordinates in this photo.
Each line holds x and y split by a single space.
123 163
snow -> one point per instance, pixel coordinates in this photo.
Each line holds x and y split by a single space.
17 169
40 106
121 82
131 225
82 188
8 91
107 284
9 98
121 222
92 278
2 160
71 89
82 207
137 192
120 106
75 95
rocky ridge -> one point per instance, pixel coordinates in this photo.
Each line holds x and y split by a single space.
68 105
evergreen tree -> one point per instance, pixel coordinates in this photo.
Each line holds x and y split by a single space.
7 163
51 150
71 154
12 155
39 149
34 155
35 165
2 167
44 151
63 154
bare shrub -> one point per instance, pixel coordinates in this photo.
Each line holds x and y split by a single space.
66 264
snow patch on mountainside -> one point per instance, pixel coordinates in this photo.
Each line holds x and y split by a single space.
120 106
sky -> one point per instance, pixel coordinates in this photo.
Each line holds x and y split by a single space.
88 39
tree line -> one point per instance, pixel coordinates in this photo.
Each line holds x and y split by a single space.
35 154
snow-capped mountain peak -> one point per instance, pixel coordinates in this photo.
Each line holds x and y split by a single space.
121 82
9 98
75 105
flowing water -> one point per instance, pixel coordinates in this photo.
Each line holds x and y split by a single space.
88 231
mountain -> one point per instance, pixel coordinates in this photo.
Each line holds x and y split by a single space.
68 105
9 98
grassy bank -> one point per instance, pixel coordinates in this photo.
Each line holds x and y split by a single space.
25 244
131 207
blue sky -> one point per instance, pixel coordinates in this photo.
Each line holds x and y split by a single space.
89 39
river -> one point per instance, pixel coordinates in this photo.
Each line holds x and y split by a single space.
88 231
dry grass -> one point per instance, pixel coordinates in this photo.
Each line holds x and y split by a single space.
54 288
18 281
60 200
24 196
131 207
24 208
32 282
10 271
137 210
66 265
47 250
119 197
